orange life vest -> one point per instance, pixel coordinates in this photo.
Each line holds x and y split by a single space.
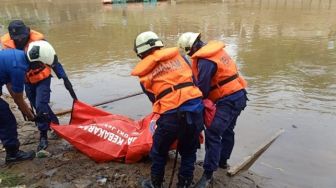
33 75
166 74
226 80
7 42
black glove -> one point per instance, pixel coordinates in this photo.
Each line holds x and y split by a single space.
68 86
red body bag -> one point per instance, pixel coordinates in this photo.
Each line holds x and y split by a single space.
104 136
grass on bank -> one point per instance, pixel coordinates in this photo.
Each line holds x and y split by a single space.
9 179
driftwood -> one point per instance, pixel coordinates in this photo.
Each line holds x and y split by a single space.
101 103
249 160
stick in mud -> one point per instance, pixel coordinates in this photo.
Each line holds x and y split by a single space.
249 160
102 103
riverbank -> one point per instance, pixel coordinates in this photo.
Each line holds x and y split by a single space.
67 167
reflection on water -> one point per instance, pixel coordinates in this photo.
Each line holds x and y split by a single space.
285 49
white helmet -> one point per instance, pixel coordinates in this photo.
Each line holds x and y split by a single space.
41 51
146 41
187 40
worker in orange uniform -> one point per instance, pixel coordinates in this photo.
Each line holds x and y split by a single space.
19 36
43 59
167 80
217 77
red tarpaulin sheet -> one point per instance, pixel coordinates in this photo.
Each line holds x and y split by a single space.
104 136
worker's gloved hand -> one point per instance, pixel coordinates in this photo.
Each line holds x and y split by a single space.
209 112
68 86
42 118
67 83
60 73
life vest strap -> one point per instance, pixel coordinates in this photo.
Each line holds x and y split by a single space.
37 73
34 72
223 82
171 89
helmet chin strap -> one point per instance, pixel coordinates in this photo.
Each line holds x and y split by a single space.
197 45
140 56
148 52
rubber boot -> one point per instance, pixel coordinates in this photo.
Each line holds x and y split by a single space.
184 182
154 182
13 154
204 182
43 141
53 135
223 164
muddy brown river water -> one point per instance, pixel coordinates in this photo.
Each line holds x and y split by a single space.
286 49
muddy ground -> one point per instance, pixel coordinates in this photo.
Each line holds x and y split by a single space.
67 167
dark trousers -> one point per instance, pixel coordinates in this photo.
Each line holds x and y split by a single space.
219 137
39 96
185 126
8 126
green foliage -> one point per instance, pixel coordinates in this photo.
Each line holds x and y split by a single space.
9 179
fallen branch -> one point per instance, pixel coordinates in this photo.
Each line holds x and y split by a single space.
249 160
102 103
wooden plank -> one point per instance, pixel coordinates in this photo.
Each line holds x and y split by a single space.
249 160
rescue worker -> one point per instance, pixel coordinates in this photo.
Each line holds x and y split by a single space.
38 77
13 66
43 58
218 78
167 80
19 36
